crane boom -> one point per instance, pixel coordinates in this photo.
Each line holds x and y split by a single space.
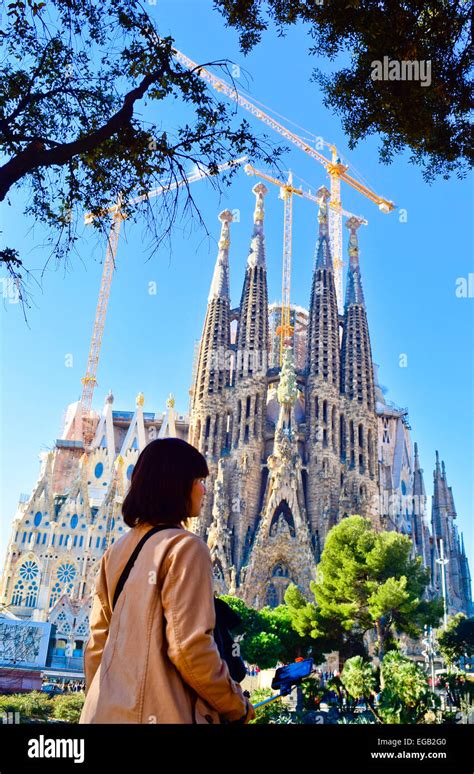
89 381
336 170
251 170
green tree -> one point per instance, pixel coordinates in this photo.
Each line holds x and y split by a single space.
457 639
358 677
368 580
404 693
332 636
88 116
431 120
268 635
406 696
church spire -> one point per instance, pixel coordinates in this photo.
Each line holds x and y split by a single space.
354 293
323 330
323 247
252 329
420 535
212 368
220 280
418 483
442 505
357 373
256 255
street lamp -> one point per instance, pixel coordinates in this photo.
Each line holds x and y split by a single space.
429 653
443 562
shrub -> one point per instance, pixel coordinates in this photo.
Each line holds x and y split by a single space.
34 705
68 707
406 696
276 712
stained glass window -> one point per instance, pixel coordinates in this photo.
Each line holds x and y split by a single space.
29 570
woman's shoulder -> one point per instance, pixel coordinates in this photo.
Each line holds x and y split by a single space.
190 538
188 545
174 536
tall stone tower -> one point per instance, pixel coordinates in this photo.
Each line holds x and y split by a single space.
211 416
250 387
323 401
358 421
304 446
447 547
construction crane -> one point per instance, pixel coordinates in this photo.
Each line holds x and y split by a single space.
287 190
336 170
89 381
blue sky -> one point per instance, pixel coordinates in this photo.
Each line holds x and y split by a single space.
409 273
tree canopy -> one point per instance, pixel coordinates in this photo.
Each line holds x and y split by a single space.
457 639
430 117
269 635
88 97
368 581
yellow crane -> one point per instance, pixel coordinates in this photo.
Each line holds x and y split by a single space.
287 190
336 170
89 381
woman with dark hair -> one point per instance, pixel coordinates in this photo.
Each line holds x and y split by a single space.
155 660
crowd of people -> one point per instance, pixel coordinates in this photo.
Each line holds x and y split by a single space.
77 685
70 686
253 670
325 676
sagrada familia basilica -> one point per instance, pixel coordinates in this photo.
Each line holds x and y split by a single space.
293 447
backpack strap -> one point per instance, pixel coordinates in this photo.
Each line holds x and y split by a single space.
133 557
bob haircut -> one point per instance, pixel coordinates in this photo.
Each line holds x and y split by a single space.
161 483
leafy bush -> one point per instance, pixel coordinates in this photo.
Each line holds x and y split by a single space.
9 703
312 692
404 693
406 696
68 707
275 712
363 719
34 705
358 678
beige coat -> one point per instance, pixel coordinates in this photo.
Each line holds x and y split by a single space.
155 659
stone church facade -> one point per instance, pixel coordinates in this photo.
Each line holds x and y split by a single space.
291 449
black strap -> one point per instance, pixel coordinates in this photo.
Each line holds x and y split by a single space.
131 561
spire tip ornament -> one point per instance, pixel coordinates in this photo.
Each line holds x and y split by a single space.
323 197
220 280
256 256
260 190
225 218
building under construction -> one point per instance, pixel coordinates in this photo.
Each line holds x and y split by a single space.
292 449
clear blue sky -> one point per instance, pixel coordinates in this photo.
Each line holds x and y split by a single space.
409 273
